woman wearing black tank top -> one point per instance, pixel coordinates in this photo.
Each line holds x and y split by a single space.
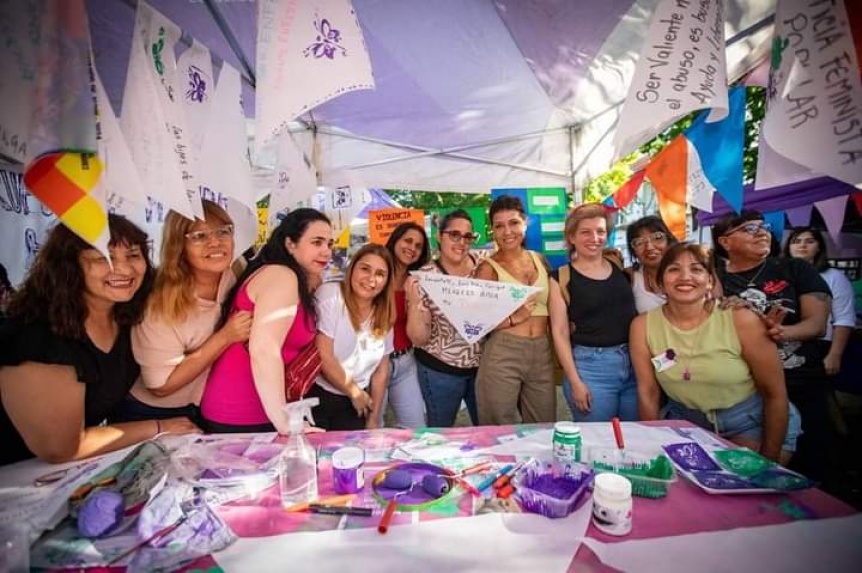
590 333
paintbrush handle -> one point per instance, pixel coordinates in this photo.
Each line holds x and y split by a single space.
383 526
618 433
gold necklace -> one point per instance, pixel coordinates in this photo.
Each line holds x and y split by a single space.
685 361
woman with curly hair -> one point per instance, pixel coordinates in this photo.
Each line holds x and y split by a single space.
176 343
65 352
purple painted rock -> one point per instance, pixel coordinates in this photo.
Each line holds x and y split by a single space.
397 479
721 480
101 513
691 457
436 486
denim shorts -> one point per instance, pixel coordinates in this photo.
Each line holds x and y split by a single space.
744 420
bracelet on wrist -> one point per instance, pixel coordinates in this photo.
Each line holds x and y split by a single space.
511 322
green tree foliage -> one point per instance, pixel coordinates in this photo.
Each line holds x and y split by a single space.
605 184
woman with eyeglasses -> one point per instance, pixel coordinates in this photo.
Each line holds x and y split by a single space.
245 389
808 244
445 362
176 343
515 382
648 239
355 339
408 246
65 350
795 302
590 323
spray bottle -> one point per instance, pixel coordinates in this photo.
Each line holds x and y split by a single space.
298 460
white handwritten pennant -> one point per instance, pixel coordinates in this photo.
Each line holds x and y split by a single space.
814 104
682 68
473 306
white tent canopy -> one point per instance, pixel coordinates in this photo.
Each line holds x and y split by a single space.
471 94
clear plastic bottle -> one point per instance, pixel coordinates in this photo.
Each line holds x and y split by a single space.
297 466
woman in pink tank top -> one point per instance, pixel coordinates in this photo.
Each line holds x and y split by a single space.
245 389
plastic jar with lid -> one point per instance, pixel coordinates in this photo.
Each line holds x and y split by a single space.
567 442
612 504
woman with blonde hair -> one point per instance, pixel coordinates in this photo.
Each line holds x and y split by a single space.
590 317
177 341
354 337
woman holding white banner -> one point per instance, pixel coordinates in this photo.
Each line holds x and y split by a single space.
445 362
590 323
354 338
408 245
516 375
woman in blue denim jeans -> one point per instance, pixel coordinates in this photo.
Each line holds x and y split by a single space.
591 332
445 362
719 367
408 245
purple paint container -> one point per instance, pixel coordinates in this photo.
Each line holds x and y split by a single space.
347 476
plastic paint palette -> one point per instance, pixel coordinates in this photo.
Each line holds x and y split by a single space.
651 476
733 470
552 489
416 498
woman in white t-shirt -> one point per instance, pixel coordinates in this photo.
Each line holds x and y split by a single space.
648 238
354 337
808 244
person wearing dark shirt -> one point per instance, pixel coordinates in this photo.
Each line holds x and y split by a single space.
791 288
65 353
590 323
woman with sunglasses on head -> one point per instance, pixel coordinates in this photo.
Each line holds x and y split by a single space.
718 366
176 343
648 239
590 318
792 290
65 350
516 374
808 244
354 338
445 362
408 245
245 389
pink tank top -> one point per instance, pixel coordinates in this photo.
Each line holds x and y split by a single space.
230 396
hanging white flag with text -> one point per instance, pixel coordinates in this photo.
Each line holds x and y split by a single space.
814 98
473 306
196 84
682 68
308 52
293 180
152 120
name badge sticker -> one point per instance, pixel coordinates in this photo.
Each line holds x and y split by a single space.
664 360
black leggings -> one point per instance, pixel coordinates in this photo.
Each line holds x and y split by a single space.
335 411
814 455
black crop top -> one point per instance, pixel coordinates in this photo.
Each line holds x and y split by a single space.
600 311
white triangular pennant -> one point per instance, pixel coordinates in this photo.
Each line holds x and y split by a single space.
832 210
473 306
700 189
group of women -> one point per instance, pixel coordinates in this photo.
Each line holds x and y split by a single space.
98 354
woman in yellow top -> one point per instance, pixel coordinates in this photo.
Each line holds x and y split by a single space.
718 367
516 372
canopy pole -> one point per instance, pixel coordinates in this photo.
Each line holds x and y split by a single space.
228 34
577 197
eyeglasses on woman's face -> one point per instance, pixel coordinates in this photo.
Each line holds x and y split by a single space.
458 236
202 237
657 238
752 229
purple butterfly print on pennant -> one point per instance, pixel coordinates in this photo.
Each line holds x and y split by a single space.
327 42
197 85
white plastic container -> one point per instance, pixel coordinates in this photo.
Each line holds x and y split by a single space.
612 504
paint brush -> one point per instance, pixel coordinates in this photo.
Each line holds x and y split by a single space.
340 510
332 500
490 481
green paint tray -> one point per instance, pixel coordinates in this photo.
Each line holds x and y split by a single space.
651 476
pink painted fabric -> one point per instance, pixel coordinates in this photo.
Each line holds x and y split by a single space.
230 396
